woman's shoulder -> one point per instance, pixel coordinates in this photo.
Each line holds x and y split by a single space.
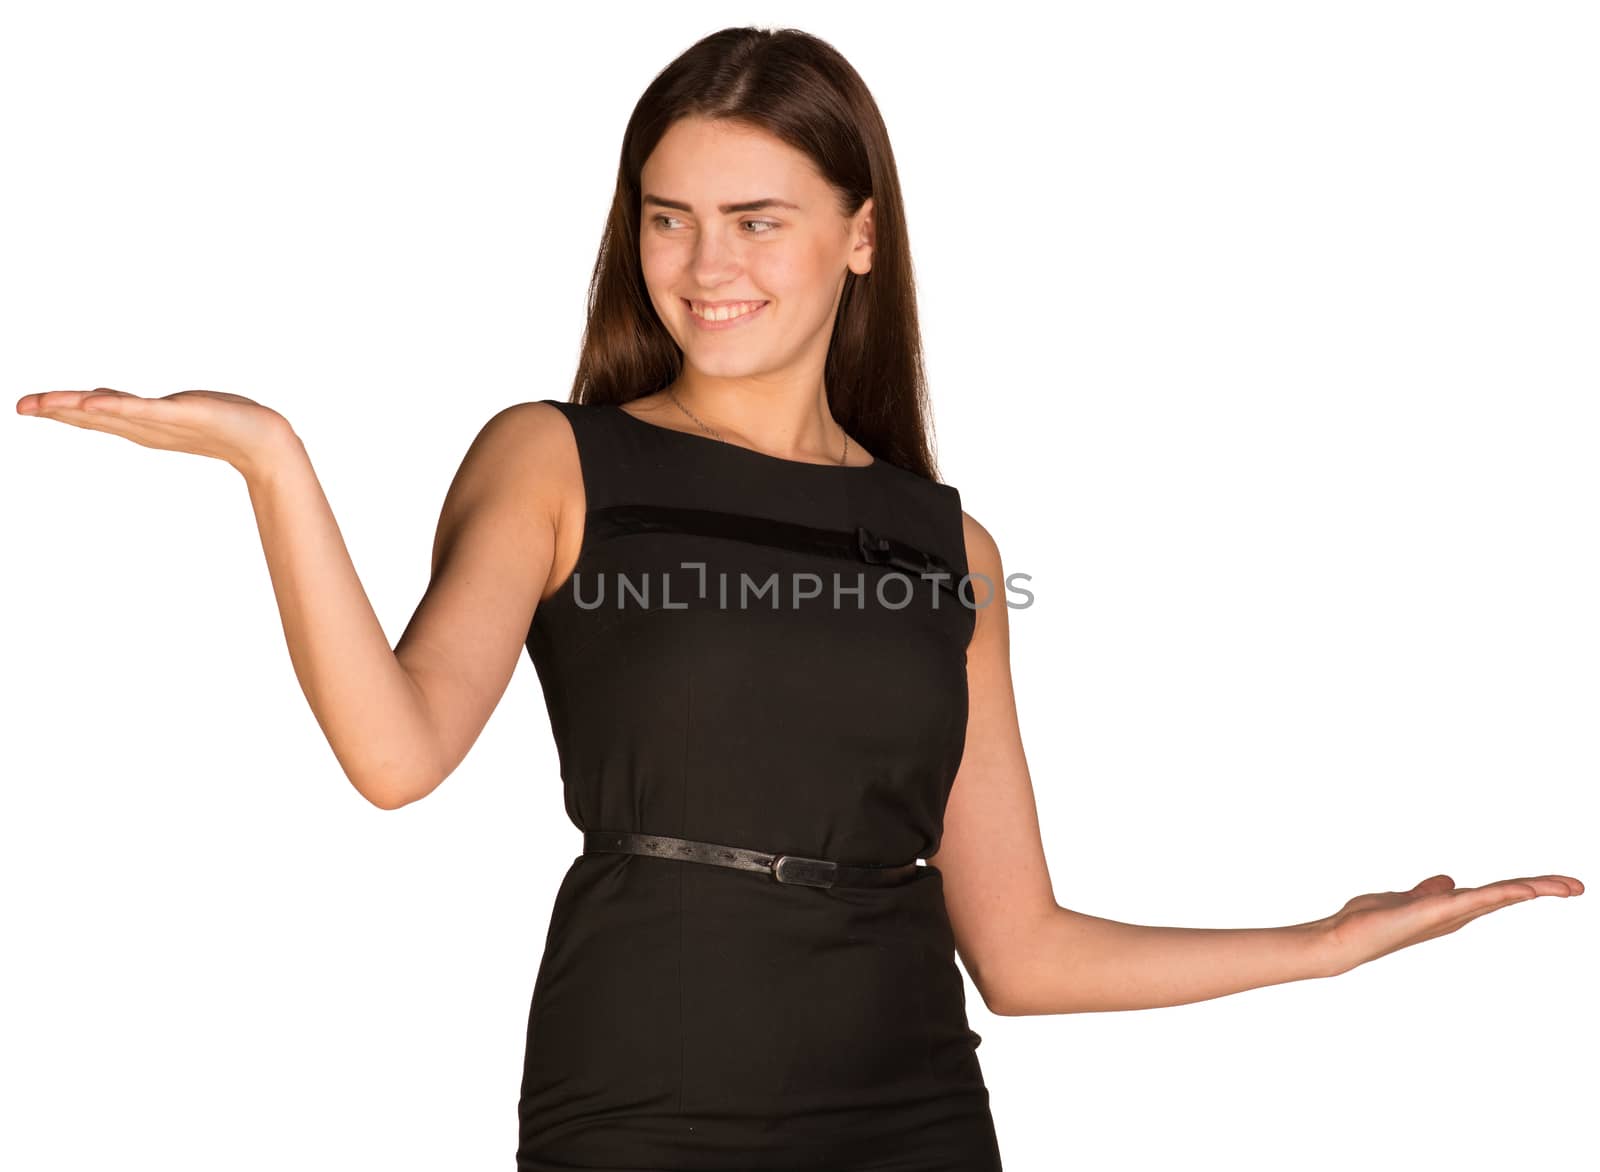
532 432
977 545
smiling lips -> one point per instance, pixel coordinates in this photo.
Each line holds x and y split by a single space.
712 314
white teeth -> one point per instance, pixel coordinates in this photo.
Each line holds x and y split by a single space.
724 312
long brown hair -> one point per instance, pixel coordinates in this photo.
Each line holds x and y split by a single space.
799 89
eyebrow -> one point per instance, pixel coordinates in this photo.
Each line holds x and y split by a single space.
727 209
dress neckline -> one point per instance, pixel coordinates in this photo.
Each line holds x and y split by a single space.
706 439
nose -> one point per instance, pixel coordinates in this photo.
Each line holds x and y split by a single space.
715 262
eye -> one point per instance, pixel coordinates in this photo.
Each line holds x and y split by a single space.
769 225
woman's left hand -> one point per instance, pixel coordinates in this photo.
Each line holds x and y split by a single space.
1374 925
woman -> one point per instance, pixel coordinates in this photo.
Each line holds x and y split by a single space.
777 680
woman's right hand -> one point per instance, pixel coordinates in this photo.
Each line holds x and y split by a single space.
225 427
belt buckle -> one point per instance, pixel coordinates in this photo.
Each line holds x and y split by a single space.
808 872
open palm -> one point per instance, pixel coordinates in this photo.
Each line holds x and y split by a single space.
1376 924
207 423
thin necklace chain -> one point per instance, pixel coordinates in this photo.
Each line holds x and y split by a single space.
673 395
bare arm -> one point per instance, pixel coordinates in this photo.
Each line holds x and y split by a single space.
399 721
1029 955
1025 952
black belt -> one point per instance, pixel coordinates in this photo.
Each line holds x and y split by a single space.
783 868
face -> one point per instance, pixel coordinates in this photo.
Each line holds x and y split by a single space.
789 257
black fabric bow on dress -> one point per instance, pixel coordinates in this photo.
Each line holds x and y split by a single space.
860 545
885 551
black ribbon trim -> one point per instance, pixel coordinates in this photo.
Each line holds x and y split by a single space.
860 544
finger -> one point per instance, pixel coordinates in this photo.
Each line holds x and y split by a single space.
102 421
1460 921
105 410
1470 900
1541 884
1500 895
116 403
1465 914
106 399
1444 912
49 402
40 401
1556 884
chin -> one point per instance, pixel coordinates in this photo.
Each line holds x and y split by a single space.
728 366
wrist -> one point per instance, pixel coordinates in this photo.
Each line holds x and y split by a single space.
1321 948
277 449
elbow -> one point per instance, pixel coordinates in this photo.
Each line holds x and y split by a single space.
997 1006
397 779
391 793
997 994
1014 1004
997 1002
1024 976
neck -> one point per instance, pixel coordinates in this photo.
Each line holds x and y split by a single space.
791 425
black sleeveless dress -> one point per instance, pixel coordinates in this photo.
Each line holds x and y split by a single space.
747 653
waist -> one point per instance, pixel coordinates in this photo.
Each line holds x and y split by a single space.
802 870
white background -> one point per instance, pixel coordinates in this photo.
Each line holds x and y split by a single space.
1262 336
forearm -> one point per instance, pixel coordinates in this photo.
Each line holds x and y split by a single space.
367 704
1077 963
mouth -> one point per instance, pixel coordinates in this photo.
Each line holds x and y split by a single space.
723 315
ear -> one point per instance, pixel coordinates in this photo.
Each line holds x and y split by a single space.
863 237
